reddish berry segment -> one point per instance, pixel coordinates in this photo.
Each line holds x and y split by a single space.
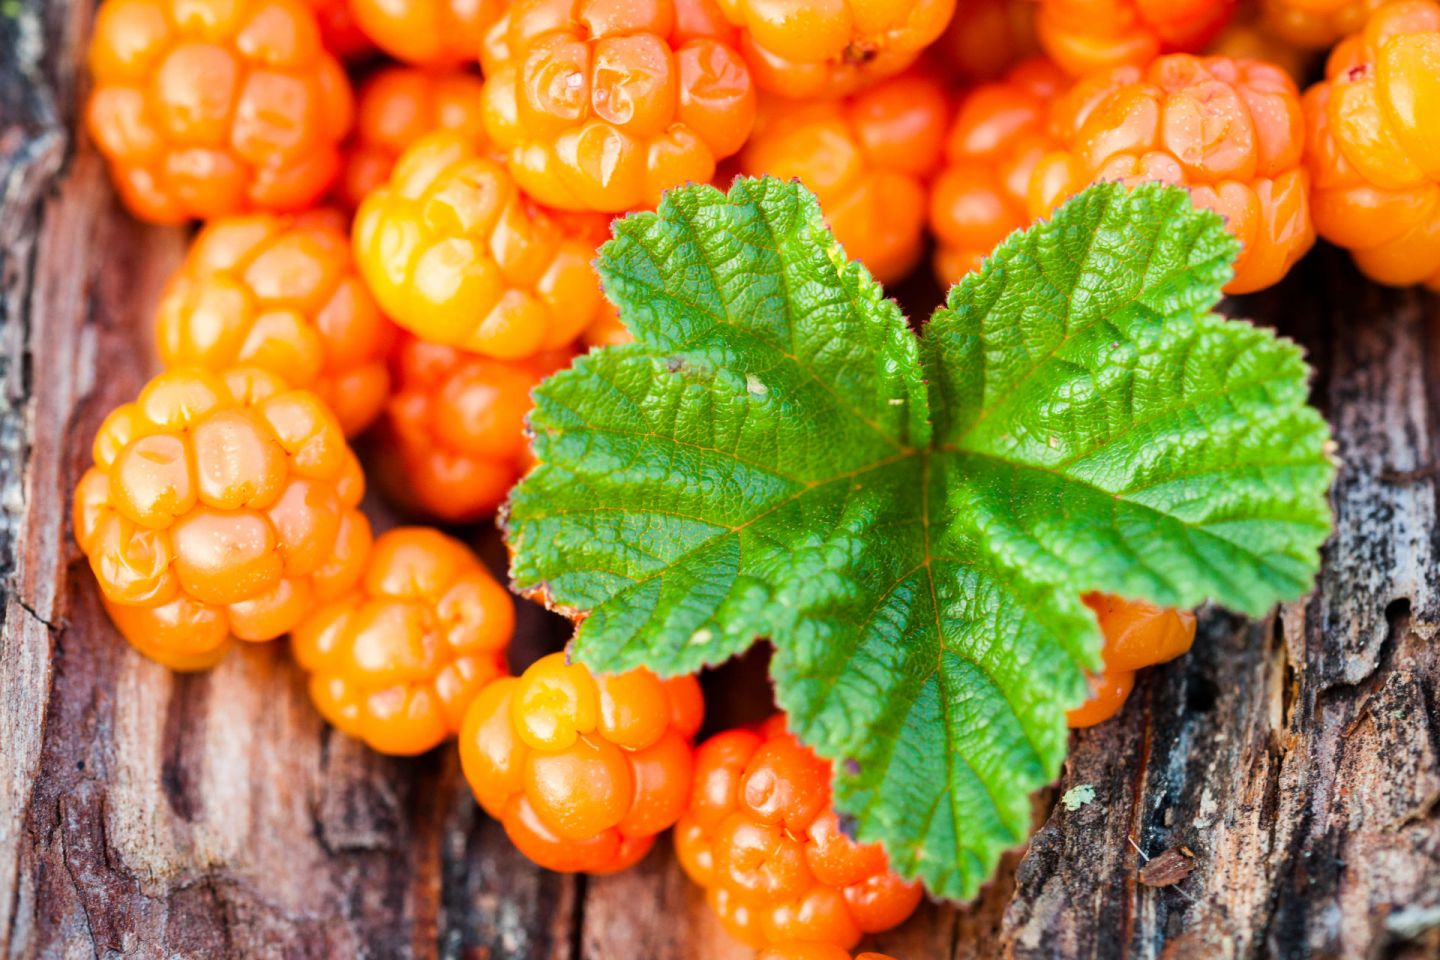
1137 635
456 254
998 137
606 104
397 660
867 158
1315 23
339 30
1085 36
281 293
814 951
219 504
831 48
206 108
397 106
761 838
452 442
1374 131
583 771
430 33
985 38
1229 130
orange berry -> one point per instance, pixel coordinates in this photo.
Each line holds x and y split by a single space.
398 660
760 836
994 144
1246 38
433 33
452 441
207 108
867 158
1108 692
1085 36
805 951
1137 635
829 48
1140 634
458 255
1315 23
397 106
280 293
606 104
1374 145
219 504
583 771
1231 131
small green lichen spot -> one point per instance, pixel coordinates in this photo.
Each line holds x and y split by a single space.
1077 797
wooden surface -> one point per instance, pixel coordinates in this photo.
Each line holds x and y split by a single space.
1286 773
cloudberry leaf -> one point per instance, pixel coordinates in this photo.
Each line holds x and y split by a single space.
912 521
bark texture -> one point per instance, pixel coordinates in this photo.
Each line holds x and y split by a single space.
1283 778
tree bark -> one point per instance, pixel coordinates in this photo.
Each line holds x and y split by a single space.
1287 771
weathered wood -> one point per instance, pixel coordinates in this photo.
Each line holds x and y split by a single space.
142 814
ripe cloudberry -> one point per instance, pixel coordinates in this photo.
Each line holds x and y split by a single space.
1084 36
985 38
454 252
830 48
397 106
814 951
997 138
1231 131
867 158
219 504
1374 131
582 771
431 33
761 838
1315 23
1137 635
397 660
605 104
205 108
452 442
281 293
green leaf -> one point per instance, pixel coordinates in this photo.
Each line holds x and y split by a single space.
912 521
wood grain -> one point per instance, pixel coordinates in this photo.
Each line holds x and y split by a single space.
144 814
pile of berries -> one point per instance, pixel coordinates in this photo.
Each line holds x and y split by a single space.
401 251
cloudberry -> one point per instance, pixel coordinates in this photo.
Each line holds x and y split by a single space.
452 442
454 252
1315 23
1231 131
814 951
605 104
219 504
582 771
998 136
1084 36
1374 132
397 106
829 48
397 660
985 38
281 293
212 107
432 33
867 158
761 838
1137 635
